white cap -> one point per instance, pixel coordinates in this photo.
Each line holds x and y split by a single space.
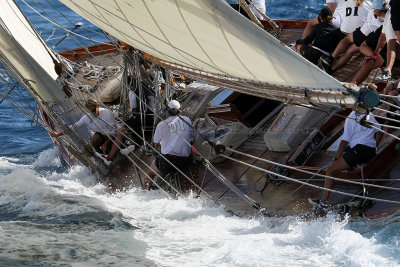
173 104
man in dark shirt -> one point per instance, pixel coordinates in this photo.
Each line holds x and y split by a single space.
324 38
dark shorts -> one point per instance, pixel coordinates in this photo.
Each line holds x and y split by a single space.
102 136
182 163
359 154
372 38
358 37
103 139
310 53
395 9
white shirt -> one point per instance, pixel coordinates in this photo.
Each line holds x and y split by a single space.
337 15
260 4
132 99
388 28
104 123
356 134
353 16
172 133
371 25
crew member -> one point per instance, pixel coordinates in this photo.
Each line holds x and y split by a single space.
323 38
102 123
173 135
358 146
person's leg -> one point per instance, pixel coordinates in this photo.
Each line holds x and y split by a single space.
366 68
390 54
343 46
97 141
310 54
346 57
336 167
397 34
117 144
148 181
106 145
309 27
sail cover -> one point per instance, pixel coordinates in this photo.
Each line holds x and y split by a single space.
27 54
206 35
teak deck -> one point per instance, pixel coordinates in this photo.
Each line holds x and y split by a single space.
286 199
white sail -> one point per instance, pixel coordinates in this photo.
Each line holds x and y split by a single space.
23 49
206 35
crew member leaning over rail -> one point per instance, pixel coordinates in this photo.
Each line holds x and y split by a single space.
358 146
173 135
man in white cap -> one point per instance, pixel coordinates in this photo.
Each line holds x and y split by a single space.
173 135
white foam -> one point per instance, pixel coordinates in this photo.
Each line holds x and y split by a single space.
47 158
183 232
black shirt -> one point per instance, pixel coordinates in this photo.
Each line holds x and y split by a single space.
325 36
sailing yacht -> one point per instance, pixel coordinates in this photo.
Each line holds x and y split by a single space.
267 121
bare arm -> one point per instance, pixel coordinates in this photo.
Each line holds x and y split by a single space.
332 7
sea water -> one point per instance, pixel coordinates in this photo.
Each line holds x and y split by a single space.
52 214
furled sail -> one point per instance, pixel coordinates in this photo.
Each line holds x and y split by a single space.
26 53
204 35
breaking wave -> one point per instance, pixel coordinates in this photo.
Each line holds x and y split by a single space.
51 214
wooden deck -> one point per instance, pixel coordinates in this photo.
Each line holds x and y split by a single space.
287 198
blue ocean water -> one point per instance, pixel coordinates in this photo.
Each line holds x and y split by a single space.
53 215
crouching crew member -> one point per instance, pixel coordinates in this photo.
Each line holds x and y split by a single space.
102 123
173 135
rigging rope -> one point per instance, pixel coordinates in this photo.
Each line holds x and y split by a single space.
304 171
311 185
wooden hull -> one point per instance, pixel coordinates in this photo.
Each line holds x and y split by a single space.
278 198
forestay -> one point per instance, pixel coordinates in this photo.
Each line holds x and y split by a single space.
26 53
206 35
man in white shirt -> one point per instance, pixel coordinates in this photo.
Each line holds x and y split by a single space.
173 135
132 123
101 122
358 146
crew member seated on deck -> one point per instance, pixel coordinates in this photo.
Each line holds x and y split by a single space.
352 42
355 14
323 37
102 123
173 135
133 124
336 8
358 145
